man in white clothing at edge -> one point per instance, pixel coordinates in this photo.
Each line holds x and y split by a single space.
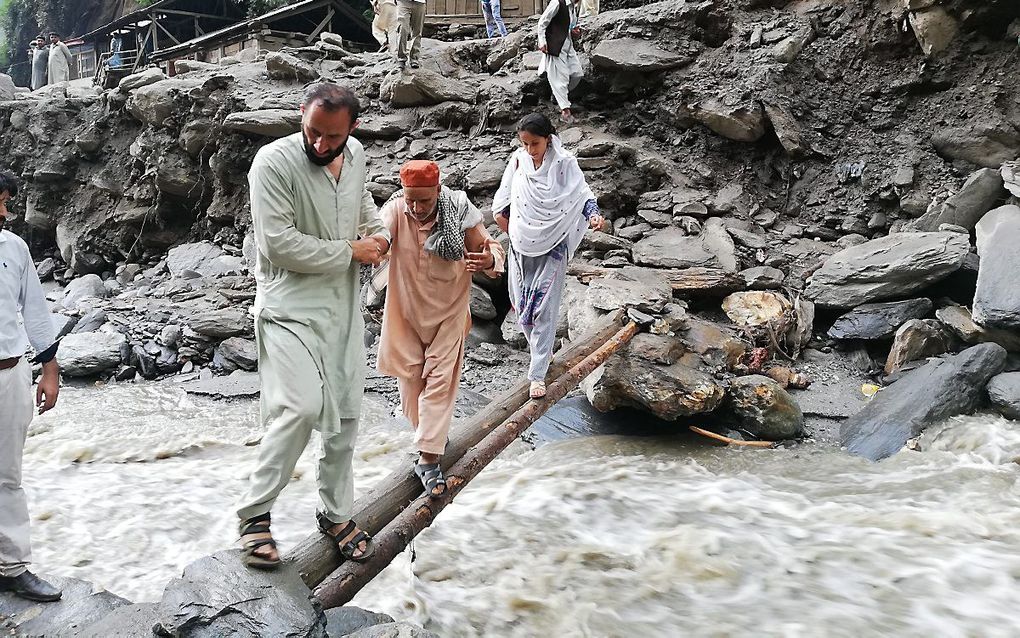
20 296
556 29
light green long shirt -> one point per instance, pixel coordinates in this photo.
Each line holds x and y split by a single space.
307 283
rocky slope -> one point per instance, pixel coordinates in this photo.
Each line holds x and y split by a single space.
767 166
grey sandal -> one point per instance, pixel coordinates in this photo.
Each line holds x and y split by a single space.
431 477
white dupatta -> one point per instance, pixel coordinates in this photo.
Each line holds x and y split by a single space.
546 204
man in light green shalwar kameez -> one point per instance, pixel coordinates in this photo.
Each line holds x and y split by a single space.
309 207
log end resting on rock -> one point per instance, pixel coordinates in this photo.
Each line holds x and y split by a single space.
351 577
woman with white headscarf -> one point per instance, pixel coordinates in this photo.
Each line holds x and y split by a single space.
546 206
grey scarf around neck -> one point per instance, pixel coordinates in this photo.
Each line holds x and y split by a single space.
447 237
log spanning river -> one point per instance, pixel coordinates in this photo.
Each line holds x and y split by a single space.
593 536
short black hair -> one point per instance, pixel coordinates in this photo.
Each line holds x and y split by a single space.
8 183
54 33
332 97
536 124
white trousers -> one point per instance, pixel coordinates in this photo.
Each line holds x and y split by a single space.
16 408
564 73
384 24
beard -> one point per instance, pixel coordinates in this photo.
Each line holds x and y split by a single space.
323 160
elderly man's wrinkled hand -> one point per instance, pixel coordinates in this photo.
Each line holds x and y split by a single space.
480 262
367 251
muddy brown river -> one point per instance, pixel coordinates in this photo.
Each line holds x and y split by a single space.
594 536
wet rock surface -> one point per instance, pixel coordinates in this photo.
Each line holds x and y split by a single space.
942 388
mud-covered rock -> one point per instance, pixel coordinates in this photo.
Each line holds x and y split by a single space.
764 409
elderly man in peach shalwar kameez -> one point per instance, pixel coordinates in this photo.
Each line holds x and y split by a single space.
438 242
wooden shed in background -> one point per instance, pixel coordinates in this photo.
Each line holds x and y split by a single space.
470 11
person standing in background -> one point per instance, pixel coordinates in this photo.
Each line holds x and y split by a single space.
60 60
40 57
556 29
410 22
493 18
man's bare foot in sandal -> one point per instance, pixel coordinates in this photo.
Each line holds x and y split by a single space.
257 543
354 544
429 472
537 389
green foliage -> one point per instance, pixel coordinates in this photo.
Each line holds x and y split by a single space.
259 7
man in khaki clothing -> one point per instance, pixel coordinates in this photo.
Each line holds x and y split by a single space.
314 224
439 241
411 22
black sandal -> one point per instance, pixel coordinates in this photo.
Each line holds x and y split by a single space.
431 477
257 525
347 549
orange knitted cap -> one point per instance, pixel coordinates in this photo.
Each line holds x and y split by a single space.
419 173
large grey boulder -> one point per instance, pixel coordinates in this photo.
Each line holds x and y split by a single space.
201 257
918 339
879 320
765 409
667 391
934 28
671 248
345 620
87 354
987 144
140 79
635 55
940 389
220 324
236 353
266 122
743 122
153 103
486 174
891 266
81 604
997 300
982 190
1004 394
218 596
423 88
958 319
284 66
618 290
385 126
7 87
83 288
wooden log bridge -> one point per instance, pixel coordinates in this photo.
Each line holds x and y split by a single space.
351 576
317 557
